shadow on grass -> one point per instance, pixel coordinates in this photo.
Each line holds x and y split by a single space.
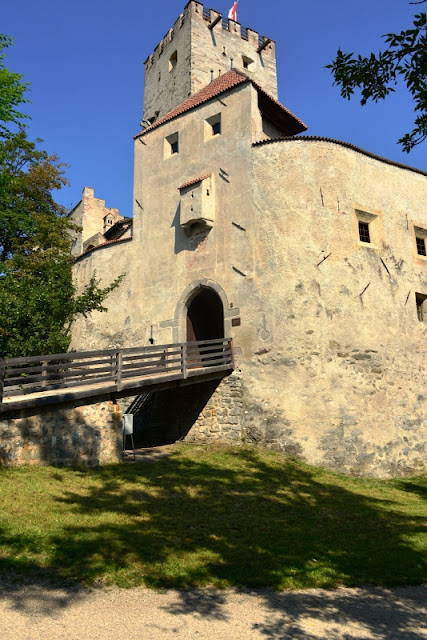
237 518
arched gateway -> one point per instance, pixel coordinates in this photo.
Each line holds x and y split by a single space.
202 313
205 316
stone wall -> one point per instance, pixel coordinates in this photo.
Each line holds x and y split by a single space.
195 413
67 434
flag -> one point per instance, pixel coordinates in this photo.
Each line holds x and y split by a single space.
232 14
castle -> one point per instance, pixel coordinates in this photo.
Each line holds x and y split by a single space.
308 252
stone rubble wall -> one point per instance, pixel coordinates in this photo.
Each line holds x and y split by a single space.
221 418
200 412
64 435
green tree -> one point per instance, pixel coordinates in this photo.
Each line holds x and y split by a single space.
39 300
405 59
12 91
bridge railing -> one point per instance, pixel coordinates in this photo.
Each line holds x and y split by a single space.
116 369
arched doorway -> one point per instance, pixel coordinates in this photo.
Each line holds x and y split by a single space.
205 316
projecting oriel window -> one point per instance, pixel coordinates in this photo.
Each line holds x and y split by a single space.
421 246
364 234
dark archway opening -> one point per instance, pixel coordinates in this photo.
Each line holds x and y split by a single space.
205 317
168 415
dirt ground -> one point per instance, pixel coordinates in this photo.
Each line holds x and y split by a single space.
36 610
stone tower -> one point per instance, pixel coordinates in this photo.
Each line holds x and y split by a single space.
190 56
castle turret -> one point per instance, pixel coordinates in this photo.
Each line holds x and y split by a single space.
201 46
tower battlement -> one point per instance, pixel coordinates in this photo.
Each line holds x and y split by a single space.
210 16
200 46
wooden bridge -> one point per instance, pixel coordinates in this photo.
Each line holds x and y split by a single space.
57 378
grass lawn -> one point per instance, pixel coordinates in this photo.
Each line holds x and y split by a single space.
212 516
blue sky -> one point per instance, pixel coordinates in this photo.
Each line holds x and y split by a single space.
84 60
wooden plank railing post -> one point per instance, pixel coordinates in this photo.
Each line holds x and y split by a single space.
184 355
230 346
2 369
118 372
44 373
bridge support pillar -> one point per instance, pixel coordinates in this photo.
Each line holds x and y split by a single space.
69 434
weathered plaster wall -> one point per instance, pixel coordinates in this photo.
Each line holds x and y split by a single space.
334 357
67 434
173 260
124 324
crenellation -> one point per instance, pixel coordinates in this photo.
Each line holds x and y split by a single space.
234 28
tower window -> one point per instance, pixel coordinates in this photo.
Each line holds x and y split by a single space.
173 60
421 300
171 145
364 232
248 63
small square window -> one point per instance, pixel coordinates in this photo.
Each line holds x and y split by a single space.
364 232
171 145
421 300
248 63
213 126
368 229
421 246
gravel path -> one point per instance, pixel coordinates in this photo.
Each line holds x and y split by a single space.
39 611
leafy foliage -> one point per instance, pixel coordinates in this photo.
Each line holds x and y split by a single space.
377 75
39 300
12 91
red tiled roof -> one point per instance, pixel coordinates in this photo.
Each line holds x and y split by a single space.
194 181
103 244
225 82
341 143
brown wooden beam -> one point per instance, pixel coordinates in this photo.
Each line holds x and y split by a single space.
262 46
214 22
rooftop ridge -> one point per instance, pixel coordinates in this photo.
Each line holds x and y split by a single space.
342 143
223 83
208 15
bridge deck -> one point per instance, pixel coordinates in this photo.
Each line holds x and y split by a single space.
57 378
